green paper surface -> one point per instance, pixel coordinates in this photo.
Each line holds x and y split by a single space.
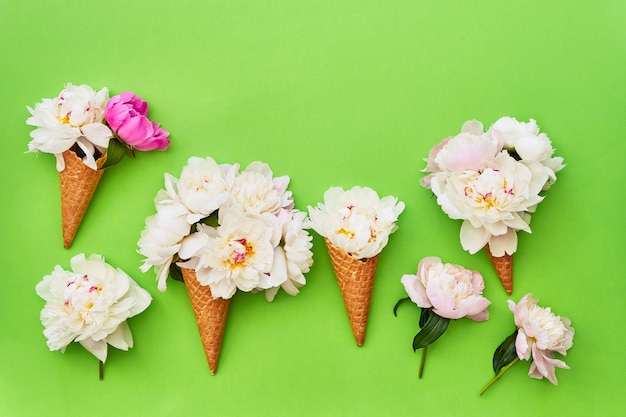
330 93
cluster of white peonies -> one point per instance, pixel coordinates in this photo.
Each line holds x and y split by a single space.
492 180
237 230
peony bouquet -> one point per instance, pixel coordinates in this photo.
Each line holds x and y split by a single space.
443 292
492 181
356 225
90 305
87 132
222 230
538 334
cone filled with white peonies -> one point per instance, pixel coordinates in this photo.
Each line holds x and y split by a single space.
356 225
222 231
493 180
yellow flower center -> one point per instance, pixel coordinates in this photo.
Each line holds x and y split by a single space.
240 254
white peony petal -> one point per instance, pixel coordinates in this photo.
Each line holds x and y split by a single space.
473 239
97 348
121 338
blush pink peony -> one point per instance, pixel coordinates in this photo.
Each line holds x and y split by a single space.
450 290
540 334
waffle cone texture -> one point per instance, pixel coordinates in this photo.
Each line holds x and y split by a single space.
504 268
211 314
356 282
78 185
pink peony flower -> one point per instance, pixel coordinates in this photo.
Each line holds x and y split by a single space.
126 114
450 290
540 334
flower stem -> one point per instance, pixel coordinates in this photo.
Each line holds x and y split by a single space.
100 370
421 371
495 378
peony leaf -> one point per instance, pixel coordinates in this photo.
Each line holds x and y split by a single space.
211 220
505 353
434 326
400 301
514 154
115 153
175 272
424 315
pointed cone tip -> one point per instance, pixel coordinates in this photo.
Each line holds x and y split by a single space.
355 278
210 314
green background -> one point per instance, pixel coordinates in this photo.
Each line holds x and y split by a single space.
330 93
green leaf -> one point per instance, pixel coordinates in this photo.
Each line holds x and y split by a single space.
115 153
175 272
424 315
505 353
434 326
400 301
211 220
514 154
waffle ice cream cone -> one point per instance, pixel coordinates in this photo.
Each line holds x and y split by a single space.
78 185
504 268
356 282
211 314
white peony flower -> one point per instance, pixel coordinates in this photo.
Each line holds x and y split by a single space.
257 192
161 238
202 187
294 258
356 221
237 254
74 117
90 305
533 148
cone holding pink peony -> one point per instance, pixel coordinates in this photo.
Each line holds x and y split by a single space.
504 269
73 126
493 181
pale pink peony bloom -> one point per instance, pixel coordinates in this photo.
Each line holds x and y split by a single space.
450 290
471 149
540 334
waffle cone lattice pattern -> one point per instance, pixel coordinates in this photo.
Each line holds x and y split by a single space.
78 185
211 314
504 268
356 282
